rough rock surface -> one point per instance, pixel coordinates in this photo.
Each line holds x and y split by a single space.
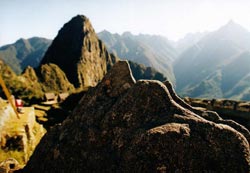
209 115
123 126
79 53
18 137
9 165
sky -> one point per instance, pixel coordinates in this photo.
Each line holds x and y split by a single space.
170 18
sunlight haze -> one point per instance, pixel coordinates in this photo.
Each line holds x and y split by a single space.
170 18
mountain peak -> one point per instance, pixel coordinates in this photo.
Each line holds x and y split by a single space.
104 32
233 32
78 18
232 27
22 42
79 53
231 22
127 34
79 23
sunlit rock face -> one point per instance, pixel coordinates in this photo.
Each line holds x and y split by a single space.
127 126
79 53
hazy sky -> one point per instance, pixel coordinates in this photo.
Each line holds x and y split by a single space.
171 18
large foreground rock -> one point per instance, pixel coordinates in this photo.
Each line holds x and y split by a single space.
123 126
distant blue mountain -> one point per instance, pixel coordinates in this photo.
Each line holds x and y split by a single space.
217 66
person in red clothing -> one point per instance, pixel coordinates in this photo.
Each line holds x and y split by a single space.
19 105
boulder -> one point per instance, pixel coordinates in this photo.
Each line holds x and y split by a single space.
127 126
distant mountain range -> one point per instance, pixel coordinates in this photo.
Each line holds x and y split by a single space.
189 40
217 66
208 65
71 63
142 72
150 50
24 52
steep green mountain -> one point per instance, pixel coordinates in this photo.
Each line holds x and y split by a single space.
76 60
79 53
25 86
150 50
217 66
24 52
31 84
54 79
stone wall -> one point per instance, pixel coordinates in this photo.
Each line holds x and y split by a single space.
230 109
5 112
19 137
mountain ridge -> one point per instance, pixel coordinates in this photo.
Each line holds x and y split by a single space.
124 125
142 49
203 70
79 46
91 54
24 52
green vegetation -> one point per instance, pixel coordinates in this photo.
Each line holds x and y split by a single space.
53 79
211 65
24 52
24 86
31 88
